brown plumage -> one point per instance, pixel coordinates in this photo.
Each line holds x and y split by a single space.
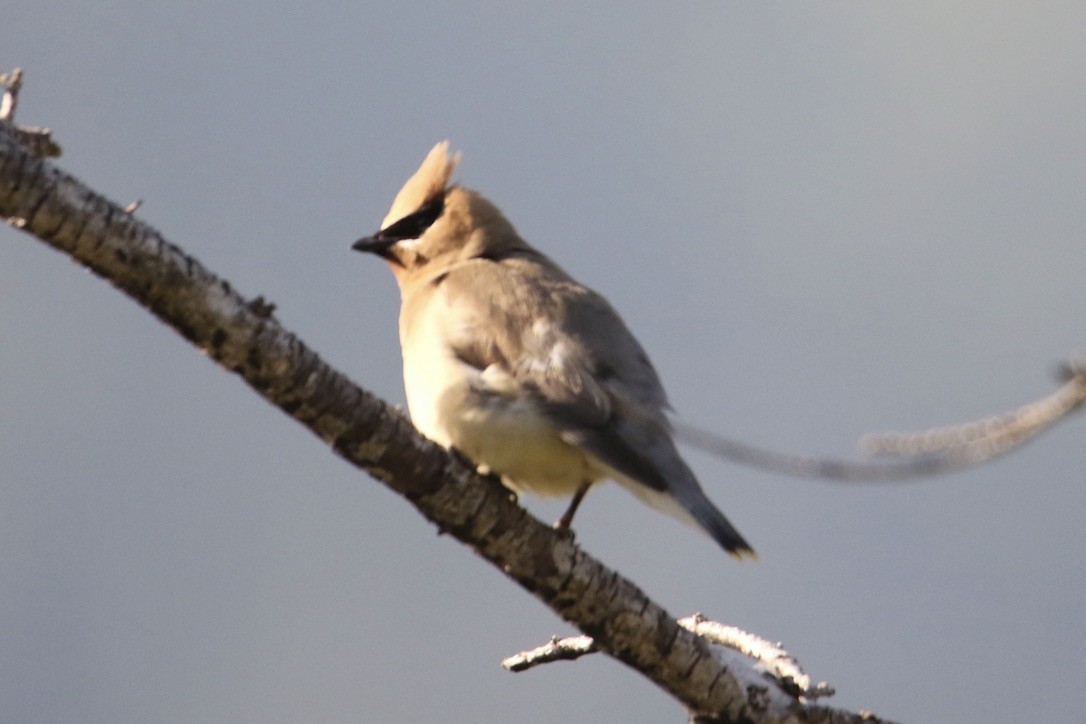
530 374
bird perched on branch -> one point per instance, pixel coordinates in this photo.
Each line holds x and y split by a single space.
531 375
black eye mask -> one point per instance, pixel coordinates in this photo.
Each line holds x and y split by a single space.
411 226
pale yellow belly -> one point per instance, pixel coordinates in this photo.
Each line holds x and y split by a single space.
499 433
515 442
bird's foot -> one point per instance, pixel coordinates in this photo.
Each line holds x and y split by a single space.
561 527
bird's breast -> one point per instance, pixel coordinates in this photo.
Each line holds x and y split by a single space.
486 416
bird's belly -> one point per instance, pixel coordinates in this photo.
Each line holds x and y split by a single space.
502 434
511 439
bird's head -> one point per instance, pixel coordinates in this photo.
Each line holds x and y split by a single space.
434 224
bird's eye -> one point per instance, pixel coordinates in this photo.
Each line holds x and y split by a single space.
415 224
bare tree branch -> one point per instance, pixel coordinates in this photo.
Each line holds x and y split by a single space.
567 649
927 453
777 662
244 337
12 83
809 466
38 140
995 435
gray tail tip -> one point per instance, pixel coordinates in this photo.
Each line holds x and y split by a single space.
713 522
730 540
742 552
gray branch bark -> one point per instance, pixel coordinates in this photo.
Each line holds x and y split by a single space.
244 337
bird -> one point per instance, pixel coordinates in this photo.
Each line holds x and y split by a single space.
531 375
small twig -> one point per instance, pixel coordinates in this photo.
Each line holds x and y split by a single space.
992 435
38 140
808 466
261 307
12 83
927 453
781 665
133 207
556 649
776 662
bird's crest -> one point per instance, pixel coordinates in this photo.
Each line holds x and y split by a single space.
431 179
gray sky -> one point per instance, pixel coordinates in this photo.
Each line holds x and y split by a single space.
820 219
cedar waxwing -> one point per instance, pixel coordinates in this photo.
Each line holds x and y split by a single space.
531 375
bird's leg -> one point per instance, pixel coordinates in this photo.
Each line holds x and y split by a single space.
564 522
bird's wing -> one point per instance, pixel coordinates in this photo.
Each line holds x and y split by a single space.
565 348
561 345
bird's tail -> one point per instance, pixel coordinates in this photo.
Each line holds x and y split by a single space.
685 500
713 522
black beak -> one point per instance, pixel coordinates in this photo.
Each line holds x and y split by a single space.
376 244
